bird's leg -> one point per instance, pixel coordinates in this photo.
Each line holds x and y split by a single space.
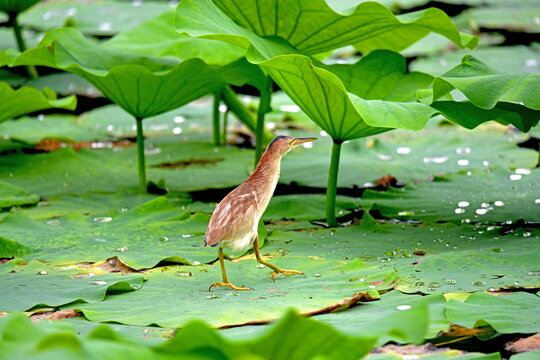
225 282
273 267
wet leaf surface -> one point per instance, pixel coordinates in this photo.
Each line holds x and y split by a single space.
486 197
172 289
512 313
36 283
141 237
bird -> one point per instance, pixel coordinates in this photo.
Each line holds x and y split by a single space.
235 219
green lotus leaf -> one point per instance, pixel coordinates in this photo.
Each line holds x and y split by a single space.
415 318
28 99
381 75
512 313
31 283
486 87
279 48
66 171
144 86
433 258
344 116
517 16
174 289
140 237
157 37
494 197
312 27
286 339
16 6
506 59
470 116
11 195
99 18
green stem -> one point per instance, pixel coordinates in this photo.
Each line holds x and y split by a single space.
238 109
331 190
14 20
217 99
264 107
140 154
224 131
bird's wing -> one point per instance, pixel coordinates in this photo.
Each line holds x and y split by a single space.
234 216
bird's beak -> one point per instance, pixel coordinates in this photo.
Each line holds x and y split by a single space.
300 141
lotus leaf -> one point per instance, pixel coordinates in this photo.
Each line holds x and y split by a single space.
28 99
11 195
512 313
16 6
30 284
173 289
100 18
490 197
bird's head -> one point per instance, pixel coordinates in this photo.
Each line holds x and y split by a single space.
283 144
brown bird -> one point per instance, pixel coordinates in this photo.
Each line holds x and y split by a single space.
235 220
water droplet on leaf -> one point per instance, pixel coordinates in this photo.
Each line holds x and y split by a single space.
183 274
97 282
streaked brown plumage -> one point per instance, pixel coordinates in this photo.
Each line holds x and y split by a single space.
234 221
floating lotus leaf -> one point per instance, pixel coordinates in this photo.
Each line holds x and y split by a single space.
512 313
31 284
490 197
11 195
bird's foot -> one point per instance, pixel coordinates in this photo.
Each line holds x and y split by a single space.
283 273
228 284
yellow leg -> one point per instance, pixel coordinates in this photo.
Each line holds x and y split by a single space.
225 282
273 267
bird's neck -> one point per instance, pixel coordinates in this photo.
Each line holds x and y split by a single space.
266 175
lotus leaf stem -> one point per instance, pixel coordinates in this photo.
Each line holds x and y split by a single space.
217 135
14 21
331 189
238 109
264 107
140 154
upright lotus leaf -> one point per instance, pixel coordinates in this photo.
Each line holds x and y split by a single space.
16 6
507 98
312 27
144 86
485 87
28 99
157 37
381 75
